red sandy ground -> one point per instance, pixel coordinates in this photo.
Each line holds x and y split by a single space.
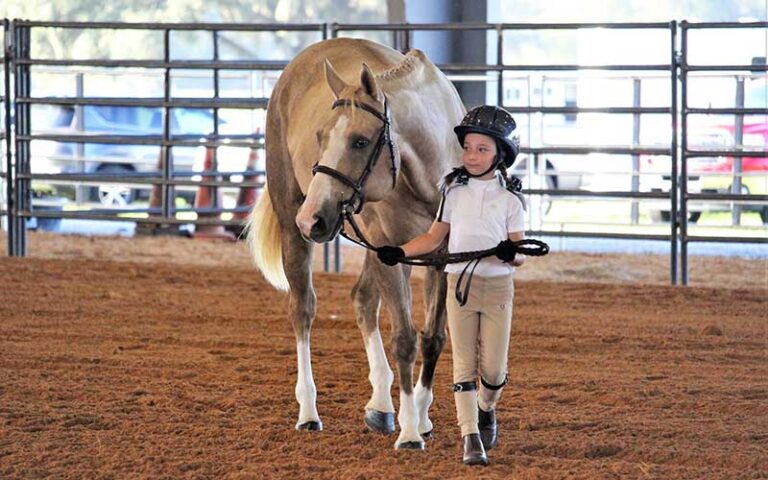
169 358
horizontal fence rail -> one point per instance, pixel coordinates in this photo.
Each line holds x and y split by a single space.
19 135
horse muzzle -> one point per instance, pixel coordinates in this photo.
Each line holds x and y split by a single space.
325 230
321 227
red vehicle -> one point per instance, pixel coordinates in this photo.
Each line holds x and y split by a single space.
717 174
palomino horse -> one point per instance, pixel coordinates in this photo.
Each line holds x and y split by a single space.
378 146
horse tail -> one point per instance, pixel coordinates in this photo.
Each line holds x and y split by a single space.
264 242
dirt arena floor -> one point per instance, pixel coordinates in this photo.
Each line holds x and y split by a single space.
171 358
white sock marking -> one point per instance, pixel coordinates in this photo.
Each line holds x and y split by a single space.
306 393
380 375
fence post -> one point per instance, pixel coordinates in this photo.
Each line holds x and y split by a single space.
22 191
682 214
9 204
674 67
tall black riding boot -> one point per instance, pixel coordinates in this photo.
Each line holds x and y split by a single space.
474 453
486 419
486 422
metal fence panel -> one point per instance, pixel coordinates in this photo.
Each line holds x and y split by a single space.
166 180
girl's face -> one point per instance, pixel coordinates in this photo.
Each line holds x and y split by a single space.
479 151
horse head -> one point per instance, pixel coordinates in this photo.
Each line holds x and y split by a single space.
357 161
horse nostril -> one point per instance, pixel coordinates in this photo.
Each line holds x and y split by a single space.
320 227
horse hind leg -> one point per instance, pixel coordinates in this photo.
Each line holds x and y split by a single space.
379 412
432 341
297 260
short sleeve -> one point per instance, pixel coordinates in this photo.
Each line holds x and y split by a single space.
444 210
515 215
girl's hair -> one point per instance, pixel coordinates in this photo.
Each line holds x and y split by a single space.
511 182
501 154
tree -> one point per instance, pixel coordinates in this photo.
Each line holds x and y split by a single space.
89 43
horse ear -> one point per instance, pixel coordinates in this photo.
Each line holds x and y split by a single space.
334 80
368 81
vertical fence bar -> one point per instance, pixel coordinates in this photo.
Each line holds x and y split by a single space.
10 205
635 185
167 154
408 39
215 154
500 63
673 71
738 142
682 215
15 167
81 192
26 157
337 254
401 42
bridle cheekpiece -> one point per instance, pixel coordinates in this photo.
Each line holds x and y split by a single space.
355 202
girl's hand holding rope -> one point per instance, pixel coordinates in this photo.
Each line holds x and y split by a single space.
506 250
389 255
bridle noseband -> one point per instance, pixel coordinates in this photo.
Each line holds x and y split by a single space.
355 203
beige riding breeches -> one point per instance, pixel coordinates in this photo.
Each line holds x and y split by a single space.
480 334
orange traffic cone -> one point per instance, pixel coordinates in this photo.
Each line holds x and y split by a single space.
155 201
205 199
247 196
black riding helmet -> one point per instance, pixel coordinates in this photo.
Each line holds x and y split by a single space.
495 122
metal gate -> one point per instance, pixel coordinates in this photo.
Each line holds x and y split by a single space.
20 68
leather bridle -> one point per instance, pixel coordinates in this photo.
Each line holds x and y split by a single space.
355 203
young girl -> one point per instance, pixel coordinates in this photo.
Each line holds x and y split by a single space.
480 209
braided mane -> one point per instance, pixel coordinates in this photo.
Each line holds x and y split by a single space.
411 63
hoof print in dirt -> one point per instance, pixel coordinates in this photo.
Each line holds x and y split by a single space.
381 422
713 330
602 451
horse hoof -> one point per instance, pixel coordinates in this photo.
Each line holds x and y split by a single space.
427 435
382 422
310 426
410 446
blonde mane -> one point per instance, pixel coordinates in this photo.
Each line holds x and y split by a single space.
408 70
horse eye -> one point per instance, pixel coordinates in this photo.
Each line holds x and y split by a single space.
360 143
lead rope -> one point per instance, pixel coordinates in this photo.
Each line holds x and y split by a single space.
528 246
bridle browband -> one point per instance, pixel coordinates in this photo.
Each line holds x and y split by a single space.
355 202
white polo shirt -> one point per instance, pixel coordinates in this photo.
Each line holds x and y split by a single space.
481 214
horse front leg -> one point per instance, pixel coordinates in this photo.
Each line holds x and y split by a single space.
297 261
432 341
379 412
396 294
